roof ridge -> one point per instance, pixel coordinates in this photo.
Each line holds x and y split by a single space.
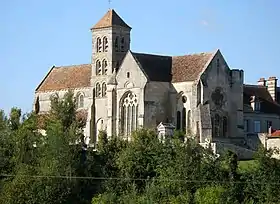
152 54
198 53
67 66
254 85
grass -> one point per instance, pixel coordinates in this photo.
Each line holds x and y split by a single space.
247 166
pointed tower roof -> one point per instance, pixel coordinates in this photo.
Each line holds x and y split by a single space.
111 18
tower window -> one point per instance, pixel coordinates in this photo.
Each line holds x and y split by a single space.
98 45
105 44
104 89
104 67
117 44
98 68
98 90
127 74
218 63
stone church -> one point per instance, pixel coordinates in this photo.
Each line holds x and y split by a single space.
122 90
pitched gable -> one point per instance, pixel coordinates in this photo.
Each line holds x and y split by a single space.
111 18
76 76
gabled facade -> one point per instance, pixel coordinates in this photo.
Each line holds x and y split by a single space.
121 90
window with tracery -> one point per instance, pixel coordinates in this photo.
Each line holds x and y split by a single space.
225 126
122 44
129 113
98 45
217 125
117 44
104 89
105 44
98 90
104 67
98 68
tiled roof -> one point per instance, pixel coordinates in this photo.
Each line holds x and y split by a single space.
175 69
156 67
111 18
76 76
267 104
189 67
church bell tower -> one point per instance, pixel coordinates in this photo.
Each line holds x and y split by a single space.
110 42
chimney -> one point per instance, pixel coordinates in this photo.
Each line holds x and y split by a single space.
261 82
272 87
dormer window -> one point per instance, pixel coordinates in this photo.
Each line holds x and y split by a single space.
257 106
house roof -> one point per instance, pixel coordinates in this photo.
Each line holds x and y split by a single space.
156 67
268 105
66 77
111 18
189 67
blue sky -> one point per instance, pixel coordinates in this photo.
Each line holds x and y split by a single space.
36 35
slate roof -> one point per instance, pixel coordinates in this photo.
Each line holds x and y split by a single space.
268 105
58 78
156 67
111 18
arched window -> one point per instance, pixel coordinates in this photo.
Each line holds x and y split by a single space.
225 124
98 68
37 105
122 44
98 45
80 100
104 89
184 117
189 121
105 44
178 125
117 44
217 126
129 113
104 67
198 93
98 90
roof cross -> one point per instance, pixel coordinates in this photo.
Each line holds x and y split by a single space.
109 1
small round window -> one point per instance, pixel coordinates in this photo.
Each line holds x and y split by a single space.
184 99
